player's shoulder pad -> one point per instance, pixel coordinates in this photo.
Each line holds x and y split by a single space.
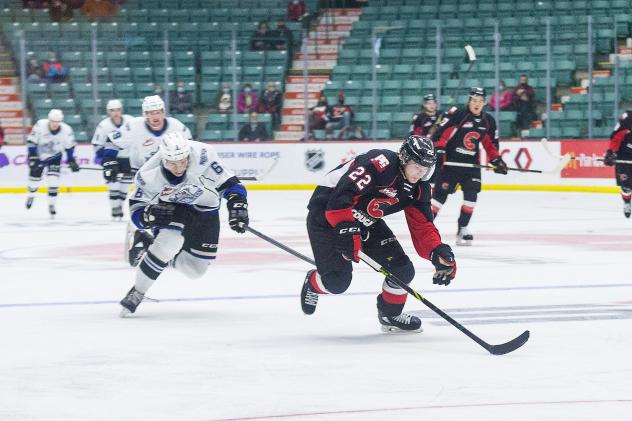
624 116
415 117
139 179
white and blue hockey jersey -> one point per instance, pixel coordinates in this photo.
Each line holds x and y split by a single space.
46 144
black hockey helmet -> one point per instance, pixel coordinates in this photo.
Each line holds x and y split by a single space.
429 97
475 91
420 150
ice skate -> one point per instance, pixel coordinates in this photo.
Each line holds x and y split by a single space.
464 237
29 202
131 302
309 297
117 213
404 323
138 247
627 209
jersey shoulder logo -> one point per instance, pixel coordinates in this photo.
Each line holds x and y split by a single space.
380 162
452 110
203 157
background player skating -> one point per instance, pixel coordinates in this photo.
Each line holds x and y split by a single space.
460 134
177 194
425 121
119 188
140 137
48 139
345 215
620 148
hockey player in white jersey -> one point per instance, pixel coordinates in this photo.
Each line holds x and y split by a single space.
140 137
48 139
178 194
119 188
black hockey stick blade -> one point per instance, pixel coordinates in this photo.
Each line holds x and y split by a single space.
510 346
247 178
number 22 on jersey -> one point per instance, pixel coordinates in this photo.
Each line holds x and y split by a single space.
360 177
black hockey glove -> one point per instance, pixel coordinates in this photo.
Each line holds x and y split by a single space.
349 241
165 215
237 212
110 170
609 158
440 157
443 260
74 167
34 162
499 165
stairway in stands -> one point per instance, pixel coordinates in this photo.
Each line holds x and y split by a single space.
323 43
10 100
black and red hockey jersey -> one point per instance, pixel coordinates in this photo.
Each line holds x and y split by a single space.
372 186
621 137
461 133
422 123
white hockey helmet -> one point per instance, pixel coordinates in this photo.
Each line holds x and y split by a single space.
174 147
114 104
56 115
153 103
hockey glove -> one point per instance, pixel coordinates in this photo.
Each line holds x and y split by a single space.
165 215
443 260
610 158
74 167
440 157
499 165
349 241
34 162
110 170
237 212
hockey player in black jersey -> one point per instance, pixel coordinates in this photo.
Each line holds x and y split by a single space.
424 122
345 216
620 148
461 132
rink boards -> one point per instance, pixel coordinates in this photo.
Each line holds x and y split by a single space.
302 165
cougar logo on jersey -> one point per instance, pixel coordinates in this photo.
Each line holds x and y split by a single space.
378 205
469 140
362 218
314 159
187 194
388 191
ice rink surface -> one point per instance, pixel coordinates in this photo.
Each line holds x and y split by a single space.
235 345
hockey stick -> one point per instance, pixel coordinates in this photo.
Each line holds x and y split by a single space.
568 156
616 161
500 349
471 57
489 167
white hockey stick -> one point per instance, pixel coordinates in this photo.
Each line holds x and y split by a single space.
263 175
564 159
545 144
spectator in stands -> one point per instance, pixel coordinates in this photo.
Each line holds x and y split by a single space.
34 72
247 99
283 38
54 70
180 101
34 4
59 10
261 38
340 116
99 8
524 103
295 10
504 99
253 131
318 115
224 99
271 101
158 91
